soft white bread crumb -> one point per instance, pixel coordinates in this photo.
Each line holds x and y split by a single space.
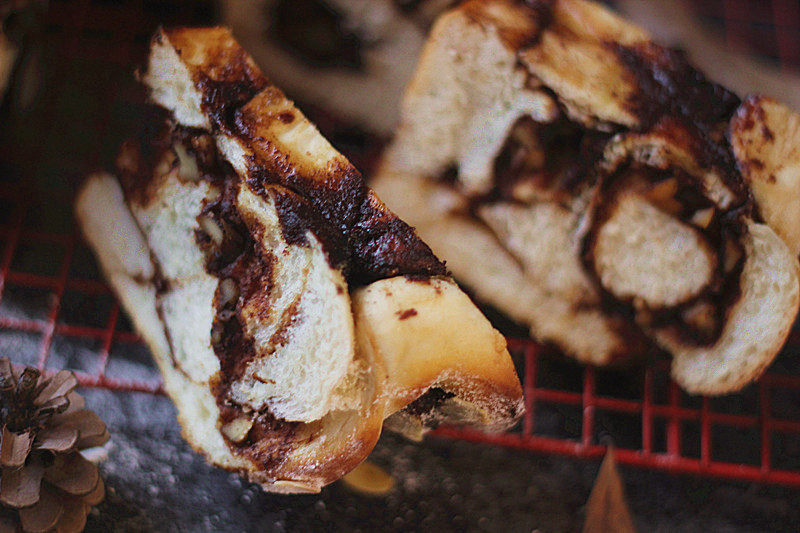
469 76
543 236
300 322
644 253
756 326
174 89
168 219
487 131
188 311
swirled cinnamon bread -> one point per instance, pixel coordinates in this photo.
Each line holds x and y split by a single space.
597 188
291 313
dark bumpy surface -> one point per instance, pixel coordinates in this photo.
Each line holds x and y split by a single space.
670 86
156 483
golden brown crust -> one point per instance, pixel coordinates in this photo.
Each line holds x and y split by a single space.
425 335
516 24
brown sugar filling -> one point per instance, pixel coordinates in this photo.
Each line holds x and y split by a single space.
700 319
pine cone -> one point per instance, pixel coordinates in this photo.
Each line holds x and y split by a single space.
45 483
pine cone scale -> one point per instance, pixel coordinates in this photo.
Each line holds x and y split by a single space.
59 386
97 494
20 487
57 439
87 423
54 406
43 515
90 441
76 403
73 474
73 519
14 448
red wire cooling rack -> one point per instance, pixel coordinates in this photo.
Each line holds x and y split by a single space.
87 102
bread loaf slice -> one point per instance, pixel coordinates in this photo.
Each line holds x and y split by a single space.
289 310
635 201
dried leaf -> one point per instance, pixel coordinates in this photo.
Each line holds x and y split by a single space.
14 448
57 439
59 385
370 479
44 515
73 474
20 487
607 510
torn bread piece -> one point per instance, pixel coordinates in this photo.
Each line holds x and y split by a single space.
289 310
620 187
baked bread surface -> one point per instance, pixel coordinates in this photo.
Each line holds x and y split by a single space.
289 310
596 187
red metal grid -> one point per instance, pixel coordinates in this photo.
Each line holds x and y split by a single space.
659 408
